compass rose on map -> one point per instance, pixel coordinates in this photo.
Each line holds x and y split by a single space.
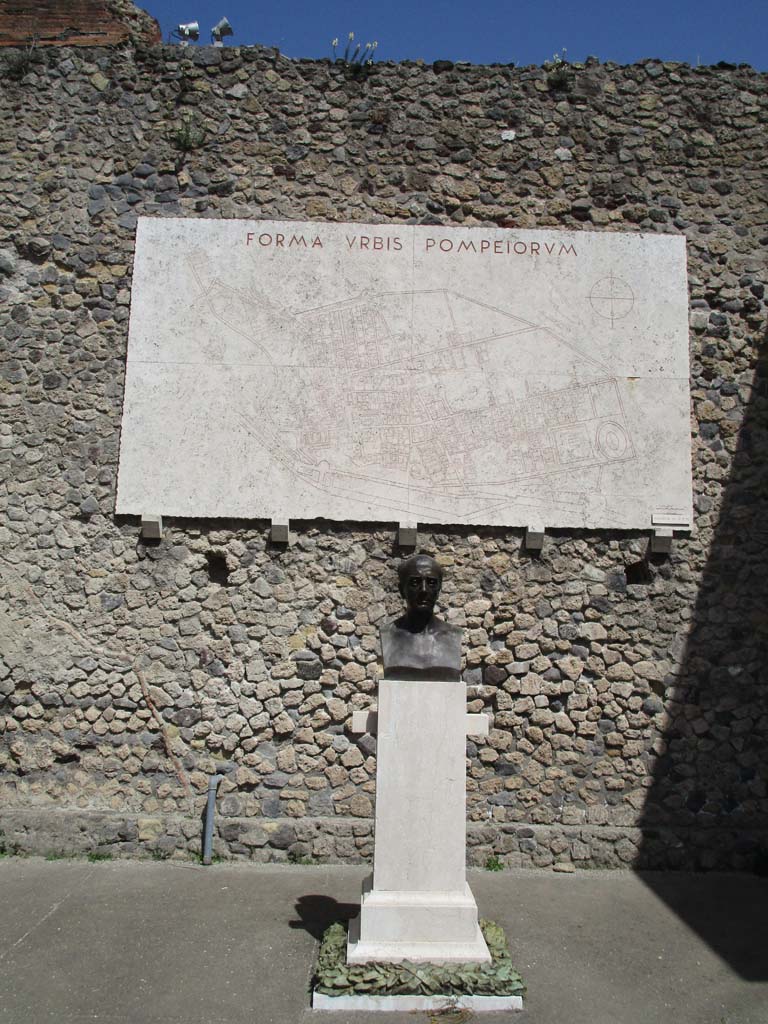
611 298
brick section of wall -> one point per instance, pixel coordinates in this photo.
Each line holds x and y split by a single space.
74 23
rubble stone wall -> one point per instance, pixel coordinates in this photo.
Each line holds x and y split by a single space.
628 691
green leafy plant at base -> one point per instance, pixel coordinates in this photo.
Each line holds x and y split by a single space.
335 977
493 863
95 855
298 858
7 849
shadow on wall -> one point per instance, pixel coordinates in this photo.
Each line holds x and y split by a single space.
706 808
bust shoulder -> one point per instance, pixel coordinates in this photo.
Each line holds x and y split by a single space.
446 629
437 627
433 652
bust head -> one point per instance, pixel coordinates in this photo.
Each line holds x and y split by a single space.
420 645
420 579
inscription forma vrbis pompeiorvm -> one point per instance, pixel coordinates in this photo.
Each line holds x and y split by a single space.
389 373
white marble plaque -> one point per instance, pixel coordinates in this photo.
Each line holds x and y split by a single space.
401 373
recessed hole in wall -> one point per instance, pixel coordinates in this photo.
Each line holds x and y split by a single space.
696 801
639 573
217 567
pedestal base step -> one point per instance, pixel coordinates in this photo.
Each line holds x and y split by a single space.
405 1004
430 926
472 949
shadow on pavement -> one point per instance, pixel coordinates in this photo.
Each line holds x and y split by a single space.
317 913
728 912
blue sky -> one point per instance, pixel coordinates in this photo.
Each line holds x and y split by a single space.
488 31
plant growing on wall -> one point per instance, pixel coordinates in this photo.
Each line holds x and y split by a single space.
355 60
20 62
188 135
559 76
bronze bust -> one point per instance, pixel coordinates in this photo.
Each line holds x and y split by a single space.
419 645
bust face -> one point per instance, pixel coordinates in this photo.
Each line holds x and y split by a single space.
420 586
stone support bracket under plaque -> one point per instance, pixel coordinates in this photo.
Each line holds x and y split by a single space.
664 526
417 905
280 530
151 526
407 534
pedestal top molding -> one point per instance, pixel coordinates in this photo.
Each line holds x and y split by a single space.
379 373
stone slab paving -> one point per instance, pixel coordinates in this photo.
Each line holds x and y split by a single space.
129 942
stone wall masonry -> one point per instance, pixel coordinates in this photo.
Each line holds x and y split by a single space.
628 691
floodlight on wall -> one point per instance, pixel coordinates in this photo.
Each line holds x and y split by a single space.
187 32
219 31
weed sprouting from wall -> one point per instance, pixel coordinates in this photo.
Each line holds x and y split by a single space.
18 63
188 135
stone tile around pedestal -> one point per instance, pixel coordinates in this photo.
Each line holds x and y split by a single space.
408 1004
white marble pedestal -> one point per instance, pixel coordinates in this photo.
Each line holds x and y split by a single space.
418 905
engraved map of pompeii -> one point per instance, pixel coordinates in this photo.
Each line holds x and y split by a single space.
402 373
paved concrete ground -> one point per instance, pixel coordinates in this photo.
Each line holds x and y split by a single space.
148 943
